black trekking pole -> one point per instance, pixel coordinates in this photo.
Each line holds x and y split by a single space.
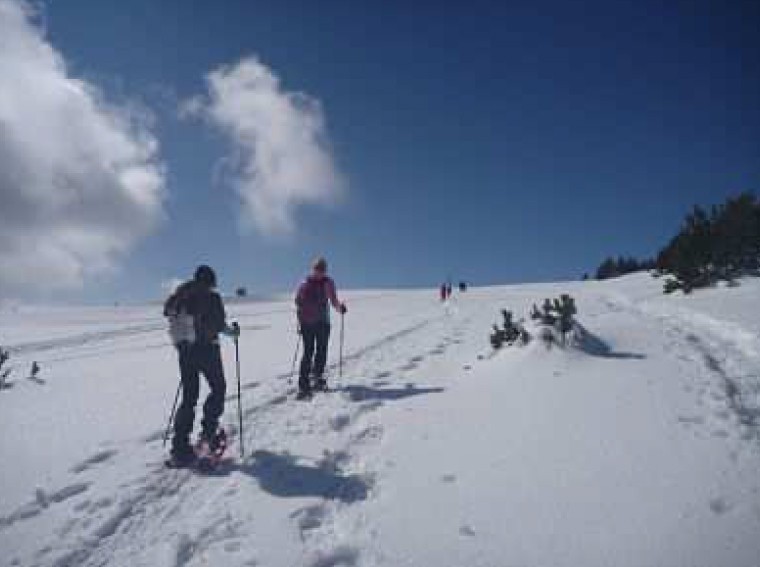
340 359
240 403
295 355
171 415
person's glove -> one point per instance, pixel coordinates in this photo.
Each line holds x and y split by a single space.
343 309
232 330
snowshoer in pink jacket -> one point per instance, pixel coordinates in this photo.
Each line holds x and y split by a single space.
314 319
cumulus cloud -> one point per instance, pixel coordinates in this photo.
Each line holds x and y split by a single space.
282 159
80 179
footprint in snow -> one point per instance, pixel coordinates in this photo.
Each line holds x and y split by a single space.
449 478
691 420
309 518
719 506
723 414
342 556
339 422
153 437
232 546
370 406
369 434
467 530
96 459
42 500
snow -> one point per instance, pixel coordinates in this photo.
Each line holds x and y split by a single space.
638 445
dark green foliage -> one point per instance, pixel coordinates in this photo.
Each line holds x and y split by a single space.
535 313
720 245
4 356
614 267
510 333
671 285
497 337
558 315
565 309
547 315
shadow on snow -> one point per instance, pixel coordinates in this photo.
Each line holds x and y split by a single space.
588 342
280 474
363 393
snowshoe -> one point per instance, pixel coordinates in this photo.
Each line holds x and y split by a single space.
181 461
209 451
320 385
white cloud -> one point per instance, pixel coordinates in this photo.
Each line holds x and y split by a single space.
80 180
282 159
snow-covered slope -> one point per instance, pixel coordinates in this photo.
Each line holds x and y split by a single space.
640 446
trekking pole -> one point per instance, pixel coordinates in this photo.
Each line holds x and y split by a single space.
340 359
295 355
240 403
171 415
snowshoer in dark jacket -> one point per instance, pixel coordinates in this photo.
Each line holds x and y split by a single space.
196 317
314 319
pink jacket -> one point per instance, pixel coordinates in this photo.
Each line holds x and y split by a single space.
312 297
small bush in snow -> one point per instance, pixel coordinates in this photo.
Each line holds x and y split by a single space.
4 374
556 318
510 333
535 314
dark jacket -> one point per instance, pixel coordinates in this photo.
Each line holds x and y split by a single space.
205 306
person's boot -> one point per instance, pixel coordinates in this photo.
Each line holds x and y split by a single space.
304 394
181 457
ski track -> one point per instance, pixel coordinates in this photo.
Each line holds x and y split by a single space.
102 527
719 353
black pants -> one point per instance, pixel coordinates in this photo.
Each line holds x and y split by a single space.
315 338
194 359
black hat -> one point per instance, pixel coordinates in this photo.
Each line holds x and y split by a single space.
204 274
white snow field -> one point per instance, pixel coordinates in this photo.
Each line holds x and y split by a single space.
638 446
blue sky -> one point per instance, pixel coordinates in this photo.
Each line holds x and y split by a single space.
492 141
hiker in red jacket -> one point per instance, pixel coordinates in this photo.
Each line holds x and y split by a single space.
314 320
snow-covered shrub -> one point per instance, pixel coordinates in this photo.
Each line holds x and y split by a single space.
556 319
535 314
510 333
671 285
4 356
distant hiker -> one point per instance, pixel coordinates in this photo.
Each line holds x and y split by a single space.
443 292
196 317
463 286
314 320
